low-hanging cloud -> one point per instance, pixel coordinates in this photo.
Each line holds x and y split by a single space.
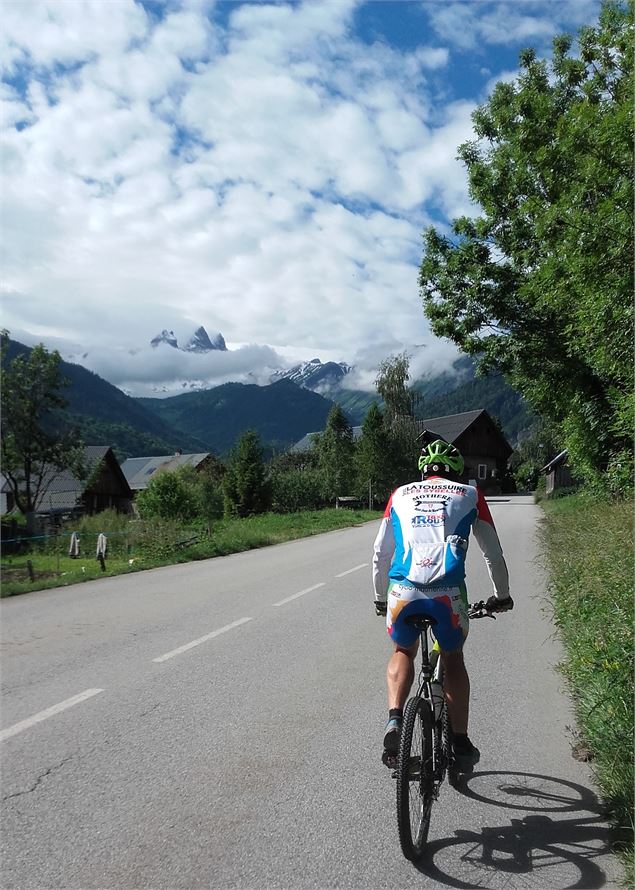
164 370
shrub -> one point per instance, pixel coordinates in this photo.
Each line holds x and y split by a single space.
246 486
170 495
297 490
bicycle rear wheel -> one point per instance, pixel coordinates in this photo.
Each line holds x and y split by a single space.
415 778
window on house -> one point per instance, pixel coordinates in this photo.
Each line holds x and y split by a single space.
482 471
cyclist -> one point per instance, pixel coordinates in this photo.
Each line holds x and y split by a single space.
419 568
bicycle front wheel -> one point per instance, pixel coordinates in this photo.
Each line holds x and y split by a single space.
415 778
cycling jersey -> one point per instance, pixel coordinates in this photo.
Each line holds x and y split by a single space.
423 537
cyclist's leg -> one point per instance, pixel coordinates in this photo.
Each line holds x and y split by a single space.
451 632
400 674
450 610
457 689
400 671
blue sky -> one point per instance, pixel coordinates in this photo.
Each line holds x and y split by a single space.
263 169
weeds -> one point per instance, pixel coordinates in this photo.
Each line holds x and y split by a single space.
590 552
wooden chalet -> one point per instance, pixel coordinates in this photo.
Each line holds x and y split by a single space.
485 449
103 487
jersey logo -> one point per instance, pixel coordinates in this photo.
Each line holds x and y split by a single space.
428 519
424 505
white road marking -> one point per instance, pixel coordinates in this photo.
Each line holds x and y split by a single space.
49 712
301 593
214 633
356 569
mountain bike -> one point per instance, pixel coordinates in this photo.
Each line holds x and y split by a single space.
425 749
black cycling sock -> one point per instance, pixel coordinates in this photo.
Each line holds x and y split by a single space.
395 713
460 742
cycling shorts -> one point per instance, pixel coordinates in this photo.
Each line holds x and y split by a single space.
447 605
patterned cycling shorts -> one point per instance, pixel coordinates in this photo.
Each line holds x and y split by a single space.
447 605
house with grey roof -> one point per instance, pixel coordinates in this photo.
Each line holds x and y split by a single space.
140 470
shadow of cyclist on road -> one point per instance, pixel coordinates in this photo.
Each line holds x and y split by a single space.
542 851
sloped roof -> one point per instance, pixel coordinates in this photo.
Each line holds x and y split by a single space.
139 470
556 461
62 489
451 426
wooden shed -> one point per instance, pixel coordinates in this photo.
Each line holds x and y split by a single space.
557 473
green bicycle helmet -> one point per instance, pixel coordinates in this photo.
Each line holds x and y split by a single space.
438 455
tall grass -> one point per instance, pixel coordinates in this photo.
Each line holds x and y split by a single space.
134 545
590 550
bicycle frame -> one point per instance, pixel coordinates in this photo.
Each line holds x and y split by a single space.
431 669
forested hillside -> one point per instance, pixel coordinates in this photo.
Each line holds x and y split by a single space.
492 393
281 413
452 392
103 415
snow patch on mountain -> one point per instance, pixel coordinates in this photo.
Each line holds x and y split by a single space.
321 377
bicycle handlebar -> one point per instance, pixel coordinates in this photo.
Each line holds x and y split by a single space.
484 609
478 610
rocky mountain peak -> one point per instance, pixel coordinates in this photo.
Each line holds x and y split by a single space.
165 337
199 341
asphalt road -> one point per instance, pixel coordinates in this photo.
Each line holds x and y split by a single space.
219 724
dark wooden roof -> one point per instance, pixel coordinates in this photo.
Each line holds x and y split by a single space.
454 427
451 426
62 490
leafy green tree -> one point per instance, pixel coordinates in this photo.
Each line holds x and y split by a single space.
246 485
374 456
400 403
208 483
391 384
35 444
335 448
170 494
540 284
297 489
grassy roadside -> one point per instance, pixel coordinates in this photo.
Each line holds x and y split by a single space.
589 547
131 550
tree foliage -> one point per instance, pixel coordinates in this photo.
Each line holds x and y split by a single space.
246 484
335 448
400 403
35 447
540 284
374 456
391 384
170 494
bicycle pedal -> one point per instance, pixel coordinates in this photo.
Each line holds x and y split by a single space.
389 760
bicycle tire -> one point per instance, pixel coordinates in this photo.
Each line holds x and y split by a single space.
415 778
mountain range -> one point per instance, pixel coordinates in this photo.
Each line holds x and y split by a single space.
281 412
